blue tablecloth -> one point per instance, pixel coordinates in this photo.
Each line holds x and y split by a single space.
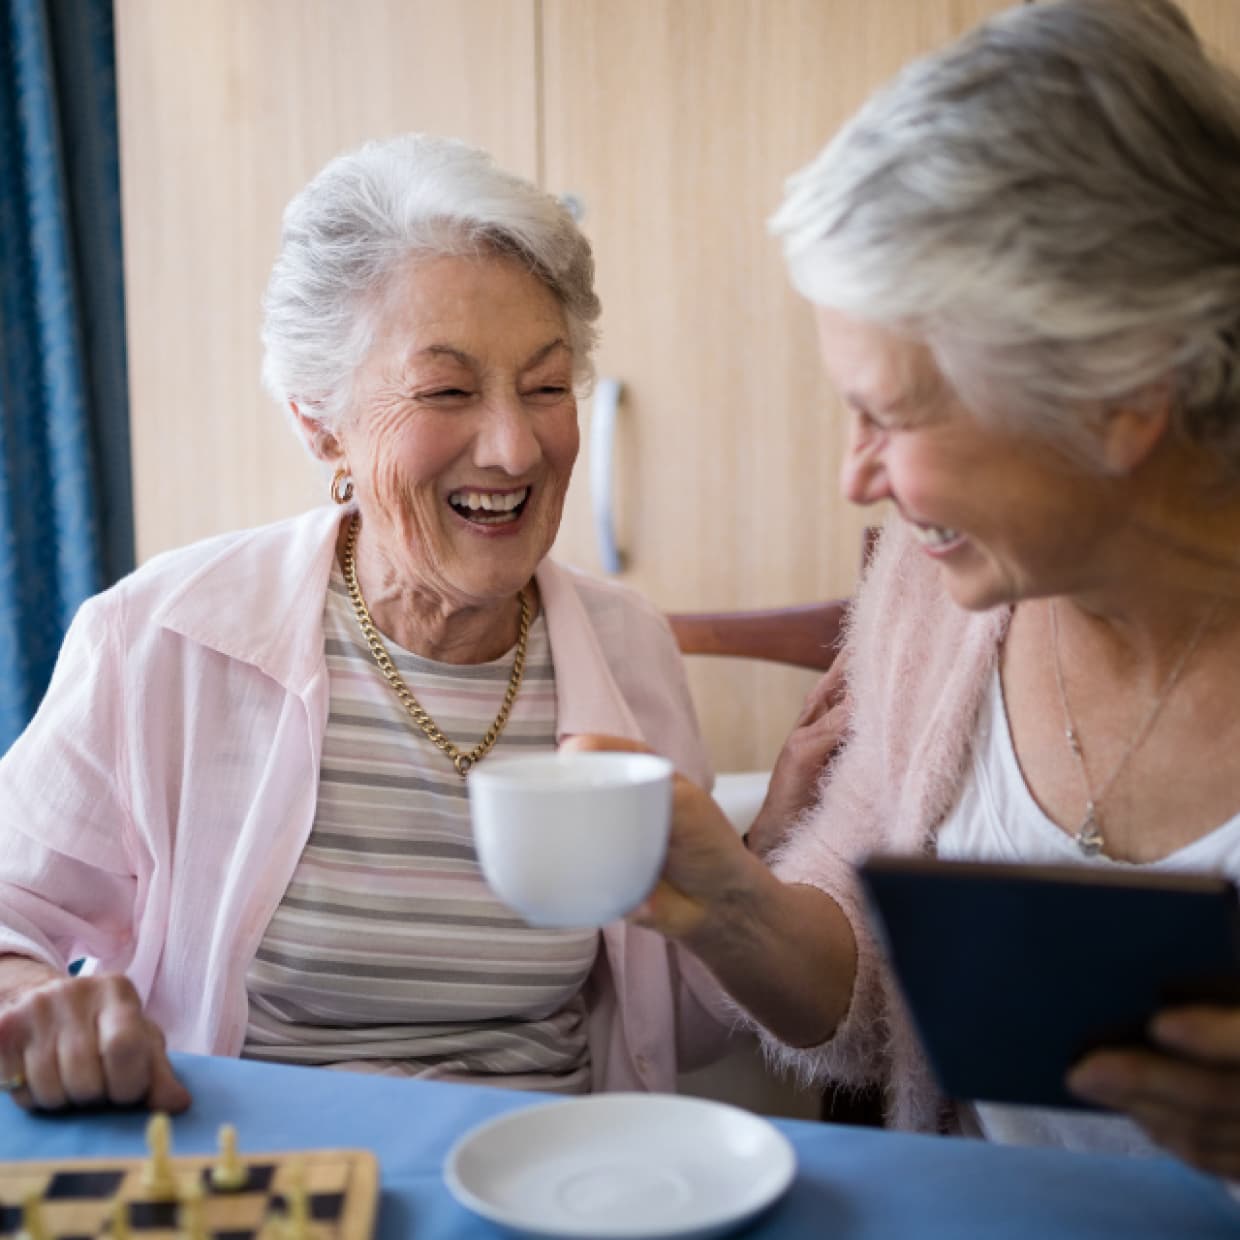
852 1183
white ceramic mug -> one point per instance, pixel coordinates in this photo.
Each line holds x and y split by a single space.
571 839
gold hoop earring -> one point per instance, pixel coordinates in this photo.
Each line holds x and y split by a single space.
341 489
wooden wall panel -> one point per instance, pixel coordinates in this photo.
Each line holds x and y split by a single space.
1217 22
674 121
676 124
226 109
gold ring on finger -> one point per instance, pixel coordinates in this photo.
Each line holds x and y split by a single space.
11 1084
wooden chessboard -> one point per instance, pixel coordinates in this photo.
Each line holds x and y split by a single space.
77 1199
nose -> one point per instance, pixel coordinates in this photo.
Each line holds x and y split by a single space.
863 476
507 439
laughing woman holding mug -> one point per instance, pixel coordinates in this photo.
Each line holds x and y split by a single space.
1023 259
242 798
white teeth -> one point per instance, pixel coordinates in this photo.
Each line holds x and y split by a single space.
935 535
500 504
488 501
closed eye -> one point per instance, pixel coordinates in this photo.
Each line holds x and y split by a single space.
868 422
549 391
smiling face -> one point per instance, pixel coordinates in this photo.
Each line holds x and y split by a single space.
1004 515
462 430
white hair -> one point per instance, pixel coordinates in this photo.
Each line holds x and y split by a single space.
1051 204
363 217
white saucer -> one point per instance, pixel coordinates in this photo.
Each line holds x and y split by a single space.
613 1166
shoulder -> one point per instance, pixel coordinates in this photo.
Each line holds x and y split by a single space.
609 605
253 545
242 589
608 639
597 591
239 558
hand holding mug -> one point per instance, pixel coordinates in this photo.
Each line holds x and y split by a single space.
573 838
706 861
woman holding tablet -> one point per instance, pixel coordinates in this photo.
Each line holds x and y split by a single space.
1023 257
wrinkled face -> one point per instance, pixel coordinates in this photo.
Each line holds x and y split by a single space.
1004 515
462 428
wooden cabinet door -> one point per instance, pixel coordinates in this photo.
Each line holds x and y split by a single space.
675 122
1217 23
227 107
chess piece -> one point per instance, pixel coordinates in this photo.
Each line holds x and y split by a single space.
118 1227
230 1173
297 1203
33 1227
158 1177
191 1214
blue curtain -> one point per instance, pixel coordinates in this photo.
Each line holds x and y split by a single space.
66 525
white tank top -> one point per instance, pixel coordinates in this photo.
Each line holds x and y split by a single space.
997 819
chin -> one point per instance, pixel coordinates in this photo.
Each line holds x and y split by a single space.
973 594
498 569
499 585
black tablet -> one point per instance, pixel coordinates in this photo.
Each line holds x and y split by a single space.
1013 972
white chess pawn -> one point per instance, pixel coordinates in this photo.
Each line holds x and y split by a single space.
158 1176
33 1227
118 1228
191 1215
230 1173
297 1203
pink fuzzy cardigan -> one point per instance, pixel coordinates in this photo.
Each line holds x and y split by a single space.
918 667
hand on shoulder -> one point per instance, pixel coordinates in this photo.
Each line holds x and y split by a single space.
805 756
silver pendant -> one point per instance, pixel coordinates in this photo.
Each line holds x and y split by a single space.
1089 836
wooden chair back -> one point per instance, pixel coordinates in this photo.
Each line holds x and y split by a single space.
802 636
805 636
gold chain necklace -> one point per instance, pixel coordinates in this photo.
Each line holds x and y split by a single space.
1089 838
460 760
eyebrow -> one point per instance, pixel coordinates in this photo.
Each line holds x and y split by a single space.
873 409
918 392
466 359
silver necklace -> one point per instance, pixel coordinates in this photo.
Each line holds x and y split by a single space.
1089 838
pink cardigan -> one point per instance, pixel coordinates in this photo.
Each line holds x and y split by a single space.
153 811
918 667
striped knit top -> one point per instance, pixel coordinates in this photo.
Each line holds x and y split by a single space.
389 952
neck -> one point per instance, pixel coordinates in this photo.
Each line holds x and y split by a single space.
1169 566
430 622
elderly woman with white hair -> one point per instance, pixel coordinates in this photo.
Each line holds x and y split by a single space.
1024 260
242 798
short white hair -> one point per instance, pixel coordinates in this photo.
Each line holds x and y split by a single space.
1051 204
363 217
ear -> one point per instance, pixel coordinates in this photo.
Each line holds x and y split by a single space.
1132 430
322 442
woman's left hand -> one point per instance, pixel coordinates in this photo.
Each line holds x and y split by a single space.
1185 1092
802 761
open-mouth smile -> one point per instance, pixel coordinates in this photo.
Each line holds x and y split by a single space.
489 507
936 537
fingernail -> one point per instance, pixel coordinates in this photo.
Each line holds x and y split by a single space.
1171 1028
1095 1082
